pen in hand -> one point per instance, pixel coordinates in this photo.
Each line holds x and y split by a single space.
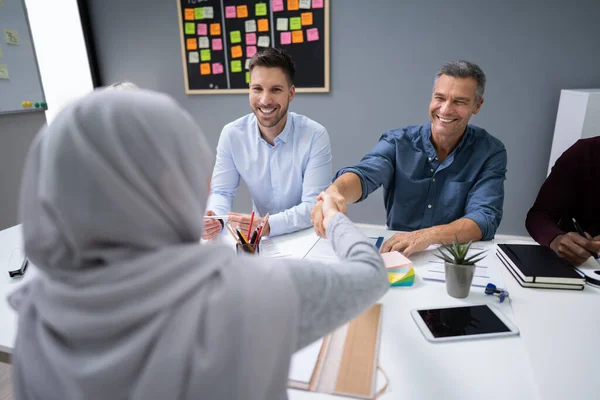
582 233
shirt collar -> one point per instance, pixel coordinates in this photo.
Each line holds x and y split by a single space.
466 139
285 133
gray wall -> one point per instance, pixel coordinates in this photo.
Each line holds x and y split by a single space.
384 55
16 133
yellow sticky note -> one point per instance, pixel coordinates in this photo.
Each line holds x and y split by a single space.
189 14
190 28
199 13
242 11
235 36
295 23
205 55
292 5
236 51
263 25
4 71
306 18
297 37
215 29
12 37
261 9
191 44
247 77
236 66
205 69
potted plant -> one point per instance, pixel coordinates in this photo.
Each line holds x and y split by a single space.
458 267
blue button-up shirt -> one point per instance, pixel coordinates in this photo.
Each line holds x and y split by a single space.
284 179
420 192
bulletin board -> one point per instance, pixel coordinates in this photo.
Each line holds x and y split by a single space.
20 82
218 38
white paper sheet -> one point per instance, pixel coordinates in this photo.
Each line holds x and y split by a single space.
304 361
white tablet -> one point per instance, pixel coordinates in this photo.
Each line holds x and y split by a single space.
463 323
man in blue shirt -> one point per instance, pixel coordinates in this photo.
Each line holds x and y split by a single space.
440 180
284 157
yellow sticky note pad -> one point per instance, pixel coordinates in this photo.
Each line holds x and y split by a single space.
297 37
205 69
189 14
263 25
261 9
292 5
205 55
236 66
236 51
307 18
401 276
199 13
190 28
295 23
235 36
4 71
12 37
242 11
191 44
215 29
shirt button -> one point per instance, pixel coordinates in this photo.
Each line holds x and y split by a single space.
429 158
433 179
429 206
431 170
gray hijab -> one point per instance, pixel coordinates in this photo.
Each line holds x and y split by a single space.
128 303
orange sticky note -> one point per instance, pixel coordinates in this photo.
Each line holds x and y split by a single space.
306 18
215 29
192 44
189 14
242 11
297 37
236 51
292 5
205 69
263 25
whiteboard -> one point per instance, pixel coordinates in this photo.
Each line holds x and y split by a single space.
19 72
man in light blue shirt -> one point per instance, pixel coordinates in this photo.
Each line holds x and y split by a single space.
284 157
440 180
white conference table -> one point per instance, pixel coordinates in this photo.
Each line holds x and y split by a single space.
552 358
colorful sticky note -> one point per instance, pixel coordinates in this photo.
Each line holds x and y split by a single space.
242 11
261 9
203 42
305 4
247 77
317 3
230 12
312 35
235 36
205 55
297 37
250 25
292 5
209 13
217 44
395 259
401 276
236 52
263 41
295 23
217 68
247 63
189 14
4 71
277 5
194 57
215 29
190 28
250 38
236 66
263 25
205 69
202 29
286 37
191 44
199 13
250 51
306 18
282 24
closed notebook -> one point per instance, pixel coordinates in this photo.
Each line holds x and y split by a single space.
539 266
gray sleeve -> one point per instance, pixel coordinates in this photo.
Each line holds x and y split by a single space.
333 294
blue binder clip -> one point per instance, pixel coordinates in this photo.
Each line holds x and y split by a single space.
501 293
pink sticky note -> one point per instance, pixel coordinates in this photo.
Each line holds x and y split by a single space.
250 38
202 29
286 37
217 44
312 35
230 12
250 51
277 5
317 3
395 259
217 68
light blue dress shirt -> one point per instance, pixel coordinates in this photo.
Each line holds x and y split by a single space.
284 179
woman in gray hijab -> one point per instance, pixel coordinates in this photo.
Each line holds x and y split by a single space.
128 304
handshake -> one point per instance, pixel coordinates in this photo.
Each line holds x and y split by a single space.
328 204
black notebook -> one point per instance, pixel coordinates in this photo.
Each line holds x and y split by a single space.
539 266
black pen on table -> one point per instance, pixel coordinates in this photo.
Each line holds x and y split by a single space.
20 271
582 233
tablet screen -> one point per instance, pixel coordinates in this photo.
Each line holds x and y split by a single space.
462 321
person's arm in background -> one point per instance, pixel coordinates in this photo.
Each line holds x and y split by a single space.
483 213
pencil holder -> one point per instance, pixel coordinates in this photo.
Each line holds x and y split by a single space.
252 249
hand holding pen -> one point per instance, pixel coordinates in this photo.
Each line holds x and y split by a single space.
594 250
575 247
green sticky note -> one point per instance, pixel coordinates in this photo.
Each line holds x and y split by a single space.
247 77
295 23
236 66
205 55
236 36
190 28
199 13
261 9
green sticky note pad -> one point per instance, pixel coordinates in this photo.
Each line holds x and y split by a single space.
247 77
190 28
199 13
236 36
205 55
295 23
236 66
261 9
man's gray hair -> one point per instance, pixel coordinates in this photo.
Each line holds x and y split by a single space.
464 69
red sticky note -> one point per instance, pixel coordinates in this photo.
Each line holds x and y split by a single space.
230 12
317 3
217 44
202 30
250 51
312 35
250 38
277 5
286 37
217 68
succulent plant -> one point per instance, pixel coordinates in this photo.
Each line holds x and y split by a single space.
456 253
